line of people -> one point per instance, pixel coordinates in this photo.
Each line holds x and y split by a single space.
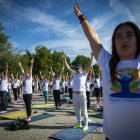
27 85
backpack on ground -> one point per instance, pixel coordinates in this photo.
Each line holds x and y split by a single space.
19 125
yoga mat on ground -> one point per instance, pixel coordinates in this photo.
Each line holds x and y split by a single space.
72 111
42 105
41 117
99 115
75 134
14 115
33 119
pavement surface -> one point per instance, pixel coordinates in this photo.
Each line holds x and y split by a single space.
53 121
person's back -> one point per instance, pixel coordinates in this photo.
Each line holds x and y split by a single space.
3 84
27 85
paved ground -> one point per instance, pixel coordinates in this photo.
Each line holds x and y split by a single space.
44 128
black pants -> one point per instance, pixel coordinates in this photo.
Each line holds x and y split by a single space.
56 95
97 92
66 89
27 100
70 93
107 138
18 91
88 99
15 92
101 90
33 88
3 96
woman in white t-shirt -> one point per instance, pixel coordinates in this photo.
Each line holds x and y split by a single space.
121 78
45 84
3 90
97 91
62 85
15 85
88 83
27 89
70 88
56 91
10 90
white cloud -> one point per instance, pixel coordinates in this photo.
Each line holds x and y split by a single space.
122 8
71 40
69 46
58 26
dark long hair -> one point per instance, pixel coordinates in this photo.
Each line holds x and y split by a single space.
115 58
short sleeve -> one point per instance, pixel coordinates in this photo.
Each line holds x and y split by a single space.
103 57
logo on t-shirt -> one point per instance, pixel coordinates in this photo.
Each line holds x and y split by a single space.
127 84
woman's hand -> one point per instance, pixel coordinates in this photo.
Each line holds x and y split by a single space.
63 56
77 10
32 61
19 63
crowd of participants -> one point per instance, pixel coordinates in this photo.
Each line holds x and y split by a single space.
120 74
13 86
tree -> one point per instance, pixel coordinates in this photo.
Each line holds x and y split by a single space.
42 59
96 69
57 64
6 54
82 60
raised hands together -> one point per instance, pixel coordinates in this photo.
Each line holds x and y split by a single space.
77 10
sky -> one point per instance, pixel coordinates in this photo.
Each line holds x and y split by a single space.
54 24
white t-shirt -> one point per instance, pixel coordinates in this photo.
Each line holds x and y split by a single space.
15 84
88 85
121 101
56 85
96 82
62 84
33 83
9 86
45 85
70 84
50 83
79 81
66 83
3 84
27 85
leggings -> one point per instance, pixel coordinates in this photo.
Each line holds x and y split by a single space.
56 95
70 93
15 92
27 100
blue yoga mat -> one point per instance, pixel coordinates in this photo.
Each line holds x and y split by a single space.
34 119
75 134
41 117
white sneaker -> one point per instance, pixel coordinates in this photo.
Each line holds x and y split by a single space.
59 108
29 118
89 120
2 112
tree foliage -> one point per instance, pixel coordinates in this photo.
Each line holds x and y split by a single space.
44 58
82 60
6 52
